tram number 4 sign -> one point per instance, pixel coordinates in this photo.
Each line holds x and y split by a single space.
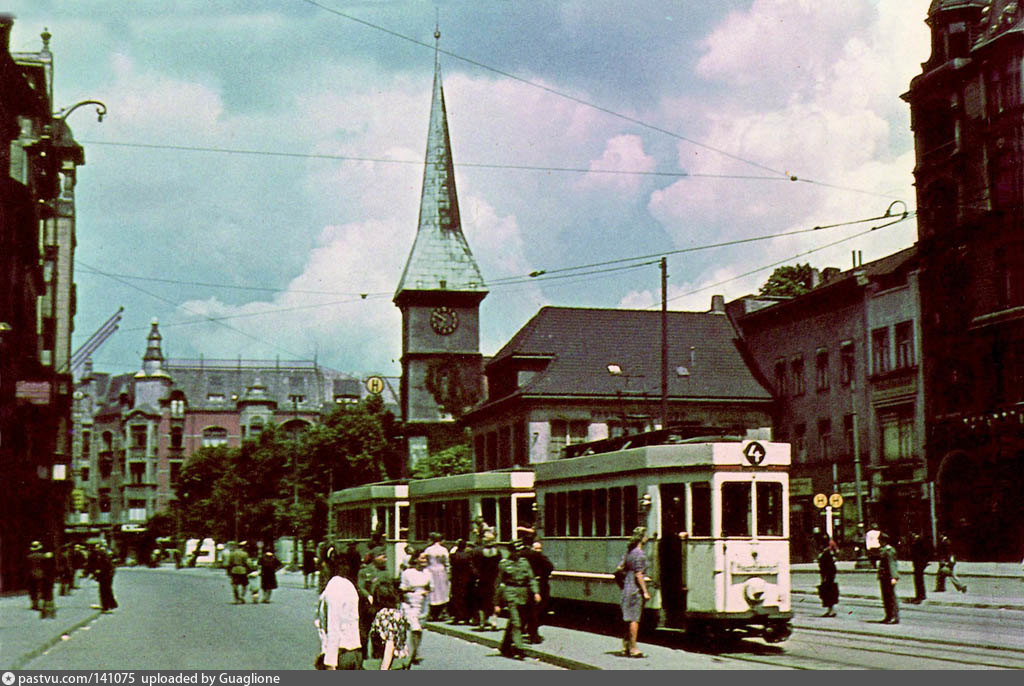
755 453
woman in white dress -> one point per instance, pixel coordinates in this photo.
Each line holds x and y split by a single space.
415 583
439 566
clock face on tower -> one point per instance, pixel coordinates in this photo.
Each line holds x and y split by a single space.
444 320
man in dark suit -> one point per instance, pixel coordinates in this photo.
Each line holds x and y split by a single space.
888 575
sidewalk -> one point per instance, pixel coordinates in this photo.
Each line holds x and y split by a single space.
24 636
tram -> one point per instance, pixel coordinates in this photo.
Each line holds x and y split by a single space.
361 511
504 499
716 513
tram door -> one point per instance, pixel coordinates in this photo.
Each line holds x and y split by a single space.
670 552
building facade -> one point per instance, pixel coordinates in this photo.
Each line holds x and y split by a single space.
572 375
439 295
37 305
134 432
843 363
967 111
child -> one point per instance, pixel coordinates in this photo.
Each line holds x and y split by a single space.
389 629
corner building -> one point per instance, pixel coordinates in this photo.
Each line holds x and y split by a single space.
967 114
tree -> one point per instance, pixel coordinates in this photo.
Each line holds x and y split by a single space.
789 280
458 459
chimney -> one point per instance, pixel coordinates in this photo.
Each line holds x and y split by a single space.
815 277
718 304
6 24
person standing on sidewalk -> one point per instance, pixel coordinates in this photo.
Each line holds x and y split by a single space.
634 590
34 562
888 576
269 564
486 559
337 617
238 569
415 585
439 567
103 572
947 565
921 556
828 589
542 568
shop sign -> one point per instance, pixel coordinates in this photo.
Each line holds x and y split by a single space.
801 486
35 392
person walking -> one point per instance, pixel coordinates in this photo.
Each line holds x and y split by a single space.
461 583
238 570
34 562
516 587
370 580
337 617
486 559
103 571
920 556
947 567
828 589
536 611
269 564
888 576
389 630
308 566
634 590
415 584
872 544
439 567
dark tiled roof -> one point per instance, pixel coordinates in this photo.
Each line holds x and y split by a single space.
583 342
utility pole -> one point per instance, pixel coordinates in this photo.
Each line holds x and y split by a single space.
664 344
295 479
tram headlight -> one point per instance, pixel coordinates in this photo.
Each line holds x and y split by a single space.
753 591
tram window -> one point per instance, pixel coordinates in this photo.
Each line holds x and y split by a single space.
560 515
505 517
700 513
736 508
549 514
586 513
403 522
489 511
769 508
614 511
629 505
524 513
574 514
601 512
383 522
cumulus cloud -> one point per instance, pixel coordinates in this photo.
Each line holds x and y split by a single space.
624 153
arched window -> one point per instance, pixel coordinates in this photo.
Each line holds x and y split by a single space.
215 435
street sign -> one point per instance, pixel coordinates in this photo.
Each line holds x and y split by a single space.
835 500
820 500
755 453
375 384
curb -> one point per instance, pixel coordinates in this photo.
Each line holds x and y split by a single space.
940 603
549 658
36 652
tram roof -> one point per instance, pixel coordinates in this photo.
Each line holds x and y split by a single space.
371 492
698 456
504 480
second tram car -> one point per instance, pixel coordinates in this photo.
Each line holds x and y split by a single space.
504 499
728 572
380 507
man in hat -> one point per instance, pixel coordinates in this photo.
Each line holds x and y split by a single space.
371 576
516 586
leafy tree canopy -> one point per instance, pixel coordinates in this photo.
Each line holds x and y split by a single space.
458 459
789 280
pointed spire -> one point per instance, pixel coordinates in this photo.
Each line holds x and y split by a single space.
440 258
152 361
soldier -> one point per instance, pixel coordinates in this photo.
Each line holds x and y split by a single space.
35 560
516 586
888 575
371 576
238 569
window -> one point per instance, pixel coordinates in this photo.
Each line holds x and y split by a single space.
108 441
700 512
564 433
177 408
85 474
880 351
137 473
897 435
586 513
86 443
615 511
215 397
215 435
904 345
825 440
821 366
848 433
800 442
560 513
138 434
629 510
176 436
601 512
736 508
780 378
175 473
136 510
574 514
769 508
846 363
797 370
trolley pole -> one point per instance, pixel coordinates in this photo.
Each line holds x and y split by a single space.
664 344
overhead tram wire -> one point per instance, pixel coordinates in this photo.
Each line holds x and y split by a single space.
785 175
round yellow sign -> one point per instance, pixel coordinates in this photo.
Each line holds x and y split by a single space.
375 384
835 500
820 500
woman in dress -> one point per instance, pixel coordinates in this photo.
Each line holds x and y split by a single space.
439 566
462 588
389 630
634 590
828 589
269 564
416 584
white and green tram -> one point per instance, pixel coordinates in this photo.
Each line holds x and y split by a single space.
728 497
381 508
504 499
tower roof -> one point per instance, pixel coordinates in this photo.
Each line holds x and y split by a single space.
440 259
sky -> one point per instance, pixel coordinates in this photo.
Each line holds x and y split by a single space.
255 183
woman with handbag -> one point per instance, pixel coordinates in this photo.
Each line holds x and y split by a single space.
634 590
828 589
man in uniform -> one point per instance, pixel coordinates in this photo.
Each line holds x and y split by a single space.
888 575
371 575
36 561
238 569
516 584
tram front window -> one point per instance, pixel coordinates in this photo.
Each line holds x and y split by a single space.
769 509
736 508
700 498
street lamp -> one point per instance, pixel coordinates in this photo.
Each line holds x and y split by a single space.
101 110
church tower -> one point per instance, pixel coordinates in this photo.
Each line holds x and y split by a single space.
439 296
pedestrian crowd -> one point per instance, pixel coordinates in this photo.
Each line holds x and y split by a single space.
61 567
368 617
883 557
